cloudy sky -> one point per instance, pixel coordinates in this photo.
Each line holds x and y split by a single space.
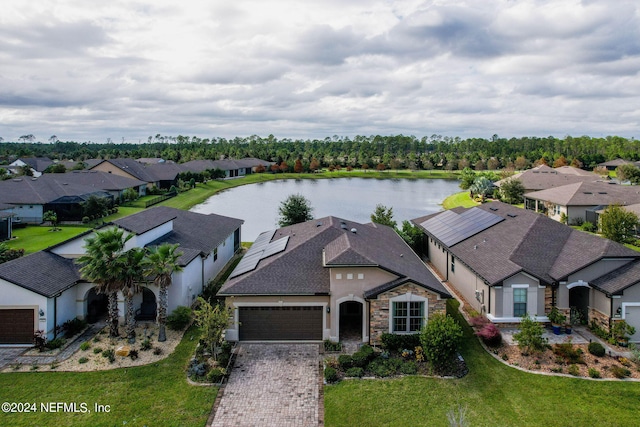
89 70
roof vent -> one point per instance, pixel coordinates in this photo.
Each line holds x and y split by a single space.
343 226
319 224
512 215
602 192
354 231
587 192
493 209
475 247
401 255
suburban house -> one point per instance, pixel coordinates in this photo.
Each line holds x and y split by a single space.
43 290
36 164
543 177
505 262
162 175
232 167
330 279
581 201
63 193
612 165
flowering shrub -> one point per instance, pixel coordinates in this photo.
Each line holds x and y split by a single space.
490 334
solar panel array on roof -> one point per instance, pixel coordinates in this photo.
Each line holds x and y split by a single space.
261 249
452 228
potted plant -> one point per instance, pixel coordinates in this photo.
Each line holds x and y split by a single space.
621 331
557 320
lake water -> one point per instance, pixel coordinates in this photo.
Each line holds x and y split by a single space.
349 198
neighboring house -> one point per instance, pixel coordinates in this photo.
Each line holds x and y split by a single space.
232 167
62 193
6 221
330 279
150 160
613 164
580 201
543 177
504 262
162 175
37 164
45 289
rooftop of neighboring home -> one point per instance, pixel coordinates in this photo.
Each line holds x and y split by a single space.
616 162
224 164
150 160
497 240
295 260
37 163
543 177
133 168
43 272
49 187
195 233
589 194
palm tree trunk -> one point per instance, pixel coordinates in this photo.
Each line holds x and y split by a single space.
113 314
131 321
162 312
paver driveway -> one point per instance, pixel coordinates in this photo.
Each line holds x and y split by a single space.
272 385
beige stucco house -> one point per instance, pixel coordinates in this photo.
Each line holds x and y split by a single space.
330 279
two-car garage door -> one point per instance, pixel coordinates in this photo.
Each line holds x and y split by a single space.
16 326
281 323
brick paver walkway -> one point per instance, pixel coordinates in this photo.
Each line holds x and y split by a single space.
272 385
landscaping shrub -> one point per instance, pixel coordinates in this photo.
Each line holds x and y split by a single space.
588 226
332 346
215 375
440 338
55 343
197 370
345 361
596 349
620 372
85 219
568 352
359 359
97 350
594 373
478 321
530 336
367 350
573 370
490 334
330 375
157 351
83 360
145 345
110 355
355 372
133 354
179 318
85 346
394 342
409 368
73 327
39 340
381 368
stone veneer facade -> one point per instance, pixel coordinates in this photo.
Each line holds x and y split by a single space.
379 308
599 318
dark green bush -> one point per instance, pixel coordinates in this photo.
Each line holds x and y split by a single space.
179 318
596 349
355 372
73 327
594 373
588 226
332 346
133 354
215 375
367 350
330 375
397 343
574 370
440 338
55 343
146 345
359 359
409 368
110 355
345 361
620 372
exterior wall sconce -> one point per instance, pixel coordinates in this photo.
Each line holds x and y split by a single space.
328 309
41 312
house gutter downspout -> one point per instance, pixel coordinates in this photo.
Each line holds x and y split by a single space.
55 316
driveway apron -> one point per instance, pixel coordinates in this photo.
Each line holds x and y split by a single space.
271 385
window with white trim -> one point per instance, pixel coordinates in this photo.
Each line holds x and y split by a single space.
360 276
519 302
453 265
408 316
349 276
215 254
338 276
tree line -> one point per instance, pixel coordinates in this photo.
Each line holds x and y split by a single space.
392 151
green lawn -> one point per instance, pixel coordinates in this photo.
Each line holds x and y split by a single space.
153 395
459 199
493 394
34 238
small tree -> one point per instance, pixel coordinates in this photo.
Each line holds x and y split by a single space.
530 336
294 209
297 166
482 187
618 224
260 169
52 217
467 177
7 254
383 215
130 194
212 320
512 191
314 165
413 235
440 338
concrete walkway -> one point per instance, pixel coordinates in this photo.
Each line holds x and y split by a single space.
272 385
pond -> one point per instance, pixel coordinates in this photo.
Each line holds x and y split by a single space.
349 198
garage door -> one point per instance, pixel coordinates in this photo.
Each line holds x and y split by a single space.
16 326
632 317
281 323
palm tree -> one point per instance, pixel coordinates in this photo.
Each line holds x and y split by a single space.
132 275
102 265
161 262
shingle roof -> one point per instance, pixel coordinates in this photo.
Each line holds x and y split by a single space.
41 190
97 179
589 194
299 269
37 163
42 272
544 177
615 162
533 243
619 279
195 233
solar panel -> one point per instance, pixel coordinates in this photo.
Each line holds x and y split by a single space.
261 249
452 228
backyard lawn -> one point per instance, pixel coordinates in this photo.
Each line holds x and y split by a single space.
34 238
462 199
492 393
152 395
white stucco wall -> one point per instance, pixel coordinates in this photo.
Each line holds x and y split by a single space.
186 285
225 253
14 296
151 235
28 213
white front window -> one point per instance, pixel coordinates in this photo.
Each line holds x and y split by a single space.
408 313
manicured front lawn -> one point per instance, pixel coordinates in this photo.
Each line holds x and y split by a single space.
494 395
153 395
34 238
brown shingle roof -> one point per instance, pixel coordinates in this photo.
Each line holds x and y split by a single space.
618 280
589 194
42 272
